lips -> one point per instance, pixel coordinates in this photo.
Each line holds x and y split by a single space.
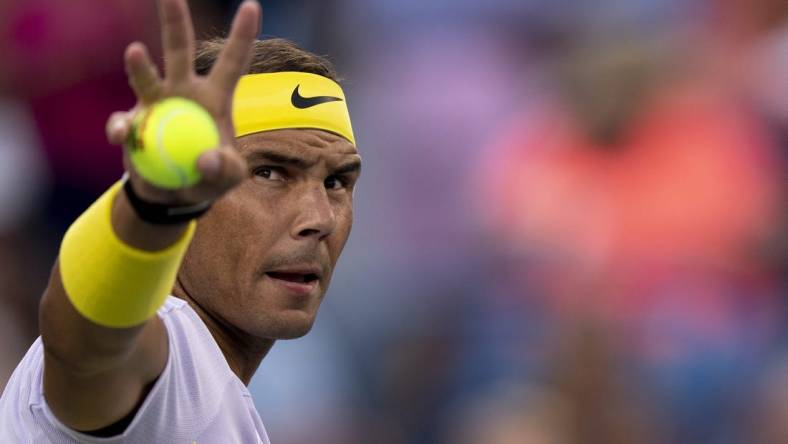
293 277
298 280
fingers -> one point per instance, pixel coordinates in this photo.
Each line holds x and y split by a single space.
221 169
142 73
118 126
177 34
234 58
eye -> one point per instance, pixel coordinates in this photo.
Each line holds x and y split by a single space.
335 183
270 173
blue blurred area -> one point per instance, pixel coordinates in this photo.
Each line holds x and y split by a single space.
570 226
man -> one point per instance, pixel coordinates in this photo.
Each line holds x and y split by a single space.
120 358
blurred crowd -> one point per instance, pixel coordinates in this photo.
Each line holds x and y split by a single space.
570 228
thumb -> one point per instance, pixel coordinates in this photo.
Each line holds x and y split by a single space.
118 126
221 169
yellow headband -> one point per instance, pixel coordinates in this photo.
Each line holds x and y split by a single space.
270 101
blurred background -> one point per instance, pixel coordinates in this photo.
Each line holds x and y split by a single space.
571 225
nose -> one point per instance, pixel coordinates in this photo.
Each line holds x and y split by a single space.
315 215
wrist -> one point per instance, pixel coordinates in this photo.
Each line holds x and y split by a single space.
137 233
160 213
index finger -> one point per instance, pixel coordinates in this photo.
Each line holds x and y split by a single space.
234 58
177 37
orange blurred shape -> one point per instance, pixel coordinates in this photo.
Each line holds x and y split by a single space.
694 182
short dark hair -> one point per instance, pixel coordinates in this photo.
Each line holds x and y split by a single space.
269 55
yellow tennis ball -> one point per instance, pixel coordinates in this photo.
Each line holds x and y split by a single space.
167 138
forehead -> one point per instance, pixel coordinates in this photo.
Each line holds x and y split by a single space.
309 144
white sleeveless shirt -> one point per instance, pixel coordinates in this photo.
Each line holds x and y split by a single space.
197 398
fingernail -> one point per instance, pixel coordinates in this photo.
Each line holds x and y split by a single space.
210 163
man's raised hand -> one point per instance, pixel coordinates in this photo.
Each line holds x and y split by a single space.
222 168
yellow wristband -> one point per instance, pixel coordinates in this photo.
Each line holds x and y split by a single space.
108 281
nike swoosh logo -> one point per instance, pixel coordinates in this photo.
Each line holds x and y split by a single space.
302 102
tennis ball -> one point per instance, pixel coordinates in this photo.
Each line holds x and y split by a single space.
167 138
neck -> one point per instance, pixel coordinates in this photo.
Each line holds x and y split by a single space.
242 351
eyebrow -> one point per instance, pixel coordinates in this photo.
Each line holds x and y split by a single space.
283 159
350 167
302 164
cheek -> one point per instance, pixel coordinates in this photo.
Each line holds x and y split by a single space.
342 233
231 241
213 256
249 224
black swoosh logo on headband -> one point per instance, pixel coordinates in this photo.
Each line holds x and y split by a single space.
302 102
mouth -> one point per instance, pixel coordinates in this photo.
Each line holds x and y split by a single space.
300 282
303 278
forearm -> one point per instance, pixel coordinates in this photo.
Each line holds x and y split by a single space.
97 319
95 375
113 272
81 347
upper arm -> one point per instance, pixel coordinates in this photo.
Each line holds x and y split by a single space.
95 376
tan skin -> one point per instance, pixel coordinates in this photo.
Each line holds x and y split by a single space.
283 203
286 217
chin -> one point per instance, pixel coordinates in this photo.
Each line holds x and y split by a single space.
292 334
291 324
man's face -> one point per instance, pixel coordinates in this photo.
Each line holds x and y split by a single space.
262 258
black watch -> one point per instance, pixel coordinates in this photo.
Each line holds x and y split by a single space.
162 214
